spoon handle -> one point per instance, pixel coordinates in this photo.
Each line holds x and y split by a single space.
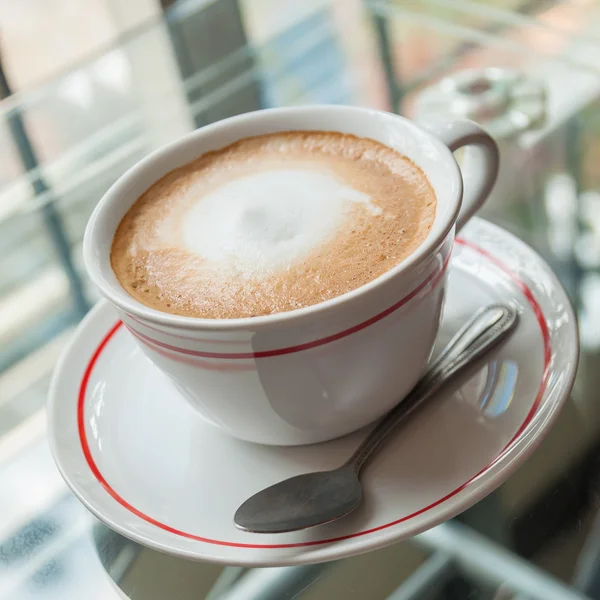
488 327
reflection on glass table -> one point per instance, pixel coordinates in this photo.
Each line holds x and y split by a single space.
449 561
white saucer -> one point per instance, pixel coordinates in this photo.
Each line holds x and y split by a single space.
146 464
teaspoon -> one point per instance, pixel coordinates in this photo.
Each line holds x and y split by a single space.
321 497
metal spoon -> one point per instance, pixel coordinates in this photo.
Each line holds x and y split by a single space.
317 498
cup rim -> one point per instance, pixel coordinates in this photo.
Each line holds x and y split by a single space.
123 301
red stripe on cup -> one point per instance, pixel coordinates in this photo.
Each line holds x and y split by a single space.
226 366
186 337
431 280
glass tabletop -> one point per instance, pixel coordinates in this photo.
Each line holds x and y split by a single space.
527 70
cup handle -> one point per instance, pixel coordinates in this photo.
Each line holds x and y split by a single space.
480 165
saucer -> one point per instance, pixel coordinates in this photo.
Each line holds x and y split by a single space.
144 462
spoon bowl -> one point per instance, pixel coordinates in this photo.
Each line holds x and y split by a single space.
302 501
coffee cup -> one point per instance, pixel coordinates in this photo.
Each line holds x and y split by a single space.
322 371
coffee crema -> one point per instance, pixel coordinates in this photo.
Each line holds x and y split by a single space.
272 223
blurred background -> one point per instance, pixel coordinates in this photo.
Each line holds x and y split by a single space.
88 87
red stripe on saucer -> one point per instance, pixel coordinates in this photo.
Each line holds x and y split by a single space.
100 478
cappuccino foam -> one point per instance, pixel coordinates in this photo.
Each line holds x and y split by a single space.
272 223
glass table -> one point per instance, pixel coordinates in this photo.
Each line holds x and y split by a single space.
538 535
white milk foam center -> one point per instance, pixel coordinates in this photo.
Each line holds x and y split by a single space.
270 219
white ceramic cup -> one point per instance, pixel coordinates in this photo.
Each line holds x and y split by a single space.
319 372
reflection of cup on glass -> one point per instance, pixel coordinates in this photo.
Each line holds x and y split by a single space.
324 370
